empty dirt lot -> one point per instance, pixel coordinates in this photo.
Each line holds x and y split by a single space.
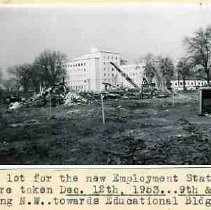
149 131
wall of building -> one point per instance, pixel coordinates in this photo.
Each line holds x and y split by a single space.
135 72
189 84
108 72
89 72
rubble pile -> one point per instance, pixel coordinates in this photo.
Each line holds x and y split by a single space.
56 95
59 94
15 105
74 98
90 96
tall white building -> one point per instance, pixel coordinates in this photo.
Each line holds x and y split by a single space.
90 72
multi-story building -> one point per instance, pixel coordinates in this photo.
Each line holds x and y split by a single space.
89 72
92 71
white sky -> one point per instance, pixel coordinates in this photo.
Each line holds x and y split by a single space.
132 30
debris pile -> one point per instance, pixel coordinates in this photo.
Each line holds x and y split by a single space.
59 94
15 105
73 98
54 95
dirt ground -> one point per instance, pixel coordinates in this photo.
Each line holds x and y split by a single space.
149 131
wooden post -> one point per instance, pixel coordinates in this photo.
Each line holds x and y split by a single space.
173 98
200 102
103 113
50 103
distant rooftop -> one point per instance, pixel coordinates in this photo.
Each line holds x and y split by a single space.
97 50
93 52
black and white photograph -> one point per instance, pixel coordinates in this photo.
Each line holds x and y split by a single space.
105 84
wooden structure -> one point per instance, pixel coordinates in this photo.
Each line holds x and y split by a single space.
205 100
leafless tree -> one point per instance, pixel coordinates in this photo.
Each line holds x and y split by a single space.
50 66
150 67
159 68
199 49
22 76
164 73
184 68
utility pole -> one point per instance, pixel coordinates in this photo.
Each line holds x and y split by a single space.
103 113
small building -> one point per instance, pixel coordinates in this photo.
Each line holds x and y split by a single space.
205 100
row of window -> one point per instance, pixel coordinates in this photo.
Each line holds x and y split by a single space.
83 63
77 74
113 75
77 78
79 81
112 57
77 69
78 87
76 65
108 69
107 80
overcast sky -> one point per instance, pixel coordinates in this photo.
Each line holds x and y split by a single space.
132 30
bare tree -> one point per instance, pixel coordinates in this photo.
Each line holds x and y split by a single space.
164 73
49 64
199 49
161 69
149 68
23 76
183 70
10 86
